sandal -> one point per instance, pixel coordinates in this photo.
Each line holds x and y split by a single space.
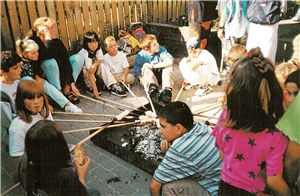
72 98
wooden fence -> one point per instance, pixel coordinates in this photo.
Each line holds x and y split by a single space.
74 18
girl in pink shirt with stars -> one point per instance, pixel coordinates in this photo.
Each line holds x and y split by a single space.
251 147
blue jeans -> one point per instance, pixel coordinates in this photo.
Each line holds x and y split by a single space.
52 92
77 62
51 69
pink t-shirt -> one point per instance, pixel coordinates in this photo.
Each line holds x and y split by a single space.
249 157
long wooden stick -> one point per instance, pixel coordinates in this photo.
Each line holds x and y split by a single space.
86 121
148 96
134 95
106 104
118 117
10 189
92 128
89 114
207 108
126 106
180 91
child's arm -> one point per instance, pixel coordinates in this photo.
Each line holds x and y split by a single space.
125 74
166 63
194 64
278 185
94 66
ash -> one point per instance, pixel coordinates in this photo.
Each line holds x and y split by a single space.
146 140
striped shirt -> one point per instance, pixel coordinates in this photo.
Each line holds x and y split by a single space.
193 154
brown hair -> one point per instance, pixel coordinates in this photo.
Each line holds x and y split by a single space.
147 40
28 89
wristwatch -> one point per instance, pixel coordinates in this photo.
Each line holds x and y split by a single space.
221 27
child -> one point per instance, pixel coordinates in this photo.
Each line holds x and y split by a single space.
28 51
10 72
115 68
46 169
289 125
92 54
251 147
69 67
296 54
31 106
154 65
199 69
292 85
282 71
192 164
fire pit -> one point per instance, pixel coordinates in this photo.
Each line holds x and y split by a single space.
138 144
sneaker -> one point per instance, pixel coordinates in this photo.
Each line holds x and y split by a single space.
166 95
72 108
203 90
116 89
189 87
154 93
90 92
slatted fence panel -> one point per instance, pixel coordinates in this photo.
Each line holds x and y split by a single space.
74 18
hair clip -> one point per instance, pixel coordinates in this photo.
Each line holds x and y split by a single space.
249 54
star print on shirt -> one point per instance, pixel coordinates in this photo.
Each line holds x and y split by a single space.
251 174
227 137
262 165
272 131
251 142
240 157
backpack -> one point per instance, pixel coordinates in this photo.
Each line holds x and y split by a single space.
264 12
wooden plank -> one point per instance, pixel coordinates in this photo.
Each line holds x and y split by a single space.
23 17
169 10
126 14
132 11
41 9
115 23
184 9
6 35
32 12
174 10
138 4
93 13
86 17
121 15
70 20
101 19
164 12
78 19
108 21
145 16
62 22
160 11
14 21
51 9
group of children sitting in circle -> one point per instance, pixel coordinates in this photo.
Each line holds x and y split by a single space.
251 155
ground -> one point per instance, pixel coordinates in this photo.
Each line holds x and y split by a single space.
109 173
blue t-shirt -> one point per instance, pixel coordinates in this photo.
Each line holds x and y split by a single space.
144 57
193 154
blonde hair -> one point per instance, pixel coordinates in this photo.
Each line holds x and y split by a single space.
109 39
282 71
42 23
26 45
237 51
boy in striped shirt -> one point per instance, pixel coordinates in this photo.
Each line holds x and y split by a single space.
192 163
